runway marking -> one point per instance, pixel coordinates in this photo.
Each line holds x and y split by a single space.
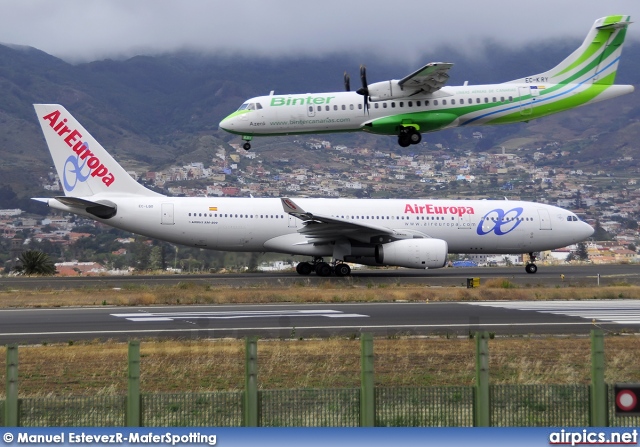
231 315
618 311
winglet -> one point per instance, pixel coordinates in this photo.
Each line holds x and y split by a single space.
290 207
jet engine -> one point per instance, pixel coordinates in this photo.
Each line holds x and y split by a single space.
413 253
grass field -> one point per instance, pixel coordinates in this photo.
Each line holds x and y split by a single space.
100 368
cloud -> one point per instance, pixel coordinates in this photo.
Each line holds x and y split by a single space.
80 30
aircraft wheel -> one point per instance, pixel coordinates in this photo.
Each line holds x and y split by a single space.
304 268
343 270
531 268
404 140
414 136
323 269
246 146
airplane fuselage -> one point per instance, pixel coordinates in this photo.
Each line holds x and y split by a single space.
259 224
469 105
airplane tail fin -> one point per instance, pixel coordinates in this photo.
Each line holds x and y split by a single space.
595 61
85 168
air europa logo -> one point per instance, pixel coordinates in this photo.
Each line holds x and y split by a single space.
89 160
432 209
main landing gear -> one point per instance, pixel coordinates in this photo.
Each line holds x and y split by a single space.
409 136
322 268
531 267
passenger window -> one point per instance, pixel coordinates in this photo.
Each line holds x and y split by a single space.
435 102
461 100
410 104
327 108
502 99
418 103
310 108
494 99
350 106
393 104
384 105
376 105
453 101
344 107
360 106
401 104
444 102
319 108
477 100
486 100
335 107
510 98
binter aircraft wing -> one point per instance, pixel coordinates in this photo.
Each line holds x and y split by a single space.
430 78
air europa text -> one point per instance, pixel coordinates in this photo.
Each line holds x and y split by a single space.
79 147
431 209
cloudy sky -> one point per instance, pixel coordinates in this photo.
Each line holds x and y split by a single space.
84 30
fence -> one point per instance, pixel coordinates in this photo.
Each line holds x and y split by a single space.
438 406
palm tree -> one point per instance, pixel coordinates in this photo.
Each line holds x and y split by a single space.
35 262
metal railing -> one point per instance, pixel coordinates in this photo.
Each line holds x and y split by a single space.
482 404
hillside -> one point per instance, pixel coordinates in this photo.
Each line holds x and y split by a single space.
151 111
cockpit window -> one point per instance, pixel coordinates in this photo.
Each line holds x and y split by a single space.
251 106
572 218
258 106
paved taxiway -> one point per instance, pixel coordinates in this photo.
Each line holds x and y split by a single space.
317 320
581 275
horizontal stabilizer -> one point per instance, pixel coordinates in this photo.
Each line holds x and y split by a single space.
104 209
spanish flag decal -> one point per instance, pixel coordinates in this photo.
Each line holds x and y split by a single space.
213 208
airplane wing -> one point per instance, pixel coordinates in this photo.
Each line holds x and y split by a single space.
428 79
319 228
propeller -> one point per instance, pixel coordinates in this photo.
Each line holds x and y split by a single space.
364 90
347 82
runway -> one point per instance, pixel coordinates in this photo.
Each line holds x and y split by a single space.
31 326
580 275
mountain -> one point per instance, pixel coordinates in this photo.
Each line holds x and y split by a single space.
153 110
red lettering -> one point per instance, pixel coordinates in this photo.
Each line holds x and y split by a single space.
52 117
461 211
79 147
64 130
108 179
429 209
100 171
93 162
86 153
60 124
408 209
72 137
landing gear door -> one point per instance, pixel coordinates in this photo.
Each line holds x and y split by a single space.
526 107
167 214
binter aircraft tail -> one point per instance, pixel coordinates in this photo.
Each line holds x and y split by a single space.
83 165
595 61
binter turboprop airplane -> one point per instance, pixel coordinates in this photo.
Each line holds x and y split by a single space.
399 232
420 102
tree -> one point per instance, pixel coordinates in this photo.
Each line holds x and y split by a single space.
582 253
35 262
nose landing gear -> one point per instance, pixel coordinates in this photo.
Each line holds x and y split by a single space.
247 145
531 267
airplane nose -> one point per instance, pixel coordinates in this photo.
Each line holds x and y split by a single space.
586 231
226 123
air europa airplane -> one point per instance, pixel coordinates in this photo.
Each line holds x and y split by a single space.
420 102
400 232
